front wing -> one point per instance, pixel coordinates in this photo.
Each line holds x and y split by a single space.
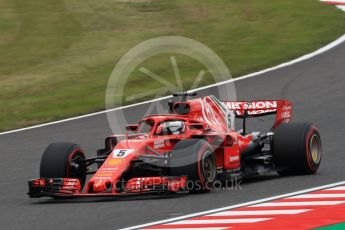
71 187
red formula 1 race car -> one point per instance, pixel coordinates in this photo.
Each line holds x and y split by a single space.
186 150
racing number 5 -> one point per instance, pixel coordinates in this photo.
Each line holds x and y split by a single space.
121 153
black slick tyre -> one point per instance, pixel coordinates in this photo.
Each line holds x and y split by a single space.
195 159
60 160
297 149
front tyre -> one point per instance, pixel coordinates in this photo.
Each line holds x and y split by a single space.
62 160
297 149
195 159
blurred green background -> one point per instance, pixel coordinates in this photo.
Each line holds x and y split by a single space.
56 56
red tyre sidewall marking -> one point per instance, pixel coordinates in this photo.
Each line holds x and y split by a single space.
75 151
311 165
200 155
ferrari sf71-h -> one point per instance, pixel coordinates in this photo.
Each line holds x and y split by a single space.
184 151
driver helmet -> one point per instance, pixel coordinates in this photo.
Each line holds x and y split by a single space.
172 128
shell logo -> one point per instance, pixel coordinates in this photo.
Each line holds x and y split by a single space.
115 161
104 174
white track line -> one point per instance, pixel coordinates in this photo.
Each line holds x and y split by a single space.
202 228
342 7
339 188
235 206
310 196
220 221
260 212
300 59
301 203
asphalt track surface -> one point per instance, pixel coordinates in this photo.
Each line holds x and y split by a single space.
315 86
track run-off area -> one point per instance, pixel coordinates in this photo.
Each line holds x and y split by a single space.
300 210
338 3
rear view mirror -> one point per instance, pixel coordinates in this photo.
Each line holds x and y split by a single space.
196 126
132 127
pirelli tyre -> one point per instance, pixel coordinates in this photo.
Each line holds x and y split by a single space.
297 149
61 160
195 159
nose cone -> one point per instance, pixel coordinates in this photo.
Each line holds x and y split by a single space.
100 186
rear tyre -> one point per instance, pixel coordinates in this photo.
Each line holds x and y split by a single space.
297 149
60 160
195 159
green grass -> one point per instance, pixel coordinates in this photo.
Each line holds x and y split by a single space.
56 56
338 226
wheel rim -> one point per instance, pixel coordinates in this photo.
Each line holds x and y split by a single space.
315 148
208 167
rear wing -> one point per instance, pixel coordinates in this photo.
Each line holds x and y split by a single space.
244 109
